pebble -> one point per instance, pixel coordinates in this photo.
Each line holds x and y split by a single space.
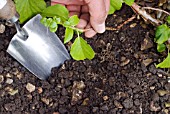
111 81
2 28
133 25
162 92
128 103
146 44
137 102
8 75
125 62
1 78
45 100
9 81
167 105
56 113
64 92
30 87
104 107
105 98
1 69
9 107
146 62
13 92
95 109
118 104
167 86
40 90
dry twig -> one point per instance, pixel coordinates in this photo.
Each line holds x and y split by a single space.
121 25
137 9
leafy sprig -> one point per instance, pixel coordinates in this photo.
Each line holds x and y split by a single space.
162 35
59 15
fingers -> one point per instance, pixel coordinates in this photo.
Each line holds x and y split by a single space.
68 2
74 10
90 33
98 14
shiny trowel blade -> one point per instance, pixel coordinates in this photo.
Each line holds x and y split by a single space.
41 51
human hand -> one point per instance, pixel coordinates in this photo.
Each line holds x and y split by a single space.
92 13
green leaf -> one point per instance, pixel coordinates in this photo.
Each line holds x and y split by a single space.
165 63
80 50
29 8
68 34
44 21
168 19
161 47
56 10
74 20
53 26
66 24
129 2
57 20
54 29
115 5
162 33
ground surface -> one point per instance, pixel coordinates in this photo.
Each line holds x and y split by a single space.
121 79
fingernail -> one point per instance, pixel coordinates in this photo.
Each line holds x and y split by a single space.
101 28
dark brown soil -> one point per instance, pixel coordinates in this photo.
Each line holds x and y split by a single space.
119 80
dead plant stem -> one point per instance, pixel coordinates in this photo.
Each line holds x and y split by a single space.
156 9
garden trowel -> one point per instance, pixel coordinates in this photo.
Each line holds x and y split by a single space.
34 46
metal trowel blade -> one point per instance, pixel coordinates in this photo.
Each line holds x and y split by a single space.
41 51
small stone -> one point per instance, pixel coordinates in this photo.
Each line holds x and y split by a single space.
104 108
40 90
133 25
162 92
30 87
2 28
85 102
105 98
95 109
19 75
9 81
167 86
159 75
56 113
167 105
152 87
1 78
8 75
146 44
161 2
137 102
10 107
29 96
77 91
13 92
146 62
1 69
128 103
153 107
64 92
125 62
118 104
45 100
111 81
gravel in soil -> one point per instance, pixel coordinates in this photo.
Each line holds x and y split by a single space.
121 79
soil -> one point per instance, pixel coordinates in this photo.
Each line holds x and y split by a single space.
121 79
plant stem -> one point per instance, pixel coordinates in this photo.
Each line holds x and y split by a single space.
137 9
156 9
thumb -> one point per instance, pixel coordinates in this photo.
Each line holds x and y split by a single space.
98 14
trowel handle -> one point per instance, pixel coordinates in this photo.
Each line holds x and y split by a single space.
8 11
